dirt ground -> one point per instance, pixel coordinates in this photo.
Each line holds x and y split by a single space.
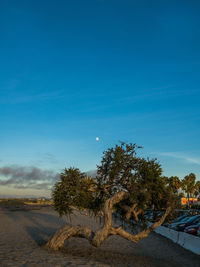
23 234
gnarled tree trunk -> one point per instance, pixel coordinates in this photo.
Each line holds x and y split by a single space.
98 237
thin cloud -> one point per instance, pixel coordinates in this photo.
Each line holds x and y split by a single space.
180 156
43 158
151 94
40 186
48 157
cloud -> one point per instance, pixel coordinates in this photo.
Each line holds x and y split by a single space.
27 177
180 156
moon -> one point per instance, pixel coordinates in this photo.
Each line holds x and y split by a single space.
97 138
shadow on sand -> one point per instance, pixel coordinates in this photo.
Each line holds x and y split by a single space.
106 254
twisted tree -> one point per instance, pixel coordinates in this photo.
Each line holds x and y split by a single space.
126 184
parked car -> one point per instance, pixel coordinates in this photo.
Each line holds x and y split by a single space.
180 226
181 220
192 229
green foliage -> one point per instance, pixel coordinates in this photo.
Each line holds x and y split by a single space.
117 166
147 185
73 190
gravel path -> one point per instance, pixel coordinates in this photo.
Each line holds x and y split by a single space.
22 234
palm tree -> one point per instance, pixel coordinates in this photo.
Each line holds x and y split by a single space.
188 185
174 183
197 188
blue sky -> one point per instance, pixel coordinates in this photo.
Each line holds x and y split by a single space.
120 70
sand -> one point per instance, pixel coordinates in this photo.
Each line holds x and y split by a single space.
23 234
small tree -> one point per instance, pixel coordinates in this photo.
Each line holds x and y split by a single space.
125 183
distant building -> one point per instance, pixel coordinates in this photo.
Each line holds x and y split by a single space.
191 200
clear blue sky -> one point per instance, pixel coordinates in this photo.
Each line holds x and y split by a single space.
120 70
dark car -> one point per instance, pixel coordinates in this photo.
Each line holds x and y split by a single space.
192 229
186 222
179 219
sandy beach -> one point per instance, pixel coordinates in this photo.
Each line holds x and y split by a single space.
23 234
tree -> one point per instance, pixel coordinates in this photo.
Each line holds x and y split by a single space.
73 190
125 183
188 185
174 183
197 188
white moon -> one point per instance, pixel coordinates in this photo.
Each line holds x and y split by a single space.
97 138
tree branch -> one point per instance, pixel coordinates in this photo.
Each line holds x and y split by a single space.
131 211
142 234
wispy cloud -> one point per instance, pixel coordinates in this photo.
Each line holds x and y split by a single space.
136 96
27 177
45 158
177 155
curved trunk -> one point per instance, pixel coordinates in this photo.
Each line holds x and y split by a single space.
65 232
